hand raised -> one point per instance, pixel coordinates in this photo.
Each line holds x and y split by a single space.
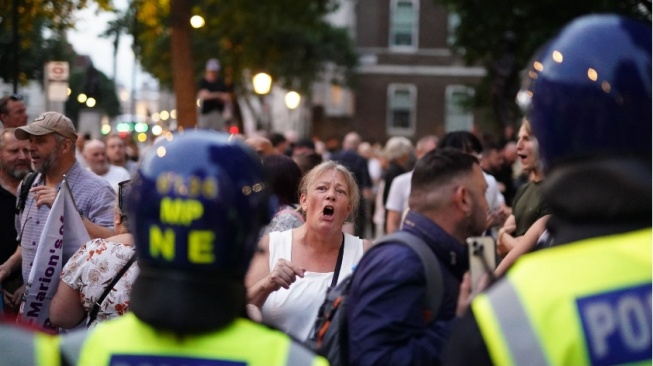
284 274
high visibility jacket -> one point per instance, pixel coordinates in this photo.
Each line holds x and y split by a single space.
583 303
21 346
129 341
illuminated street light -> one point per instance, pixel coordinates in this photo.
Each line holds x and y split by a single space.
82 98
262 83
292 99
90 102
197 21
164 115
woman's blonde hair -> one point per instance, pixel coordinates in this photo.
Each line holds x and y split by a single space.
311 177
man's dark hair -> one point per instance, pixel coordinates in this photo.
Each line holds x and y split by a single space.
284 176
4 101
437 168
305 142
276 139
462 140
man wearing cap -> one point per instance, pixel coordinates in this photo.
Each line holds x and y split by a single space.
12 111
213 94
52 148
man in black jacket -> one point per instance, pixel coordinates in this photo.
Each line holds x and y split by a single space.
587 301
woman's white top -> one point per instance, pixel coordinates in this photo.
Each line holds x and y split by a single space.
294 310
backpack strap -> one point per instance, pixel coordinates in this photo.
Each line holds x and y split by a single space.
25 186
430 263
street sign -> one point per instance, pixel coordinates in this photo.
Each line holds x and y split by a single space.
57 71
56 81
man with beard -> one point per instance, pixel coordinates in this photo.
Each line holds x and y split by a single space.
14 166
52 149
388 324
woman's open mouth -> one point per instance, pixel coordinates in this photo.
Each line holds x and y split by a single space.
328 211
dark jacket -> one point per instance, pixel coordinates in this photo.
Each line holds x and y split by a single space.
387 300
588 199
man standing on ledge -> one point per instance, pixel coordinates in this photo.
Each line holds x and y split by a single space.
213 95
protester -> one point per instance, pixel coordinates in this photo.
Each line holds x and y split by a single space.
91 269
117 154
95 153
289 276
213 94
283 176
386 317
357 164
399 152
586 300
52 148
397 201
261 145
528 206
470 144
201 268
12 111
14 166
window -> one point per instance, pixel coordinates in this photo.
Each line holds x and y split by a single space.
453 21
458 114
403 24
401 109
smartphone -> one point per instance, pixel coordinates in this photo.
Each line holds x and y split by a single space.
482 258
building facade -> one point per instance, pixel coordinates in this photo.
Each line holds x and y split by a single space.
408 82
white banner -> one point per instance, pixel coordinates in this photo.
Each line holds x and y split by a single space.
63 228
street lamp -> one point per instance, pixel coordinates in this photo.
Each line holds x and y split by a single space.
292 99
196 21
262 83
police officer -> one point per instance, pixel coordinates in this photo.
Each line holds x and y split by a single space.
197 202
587 299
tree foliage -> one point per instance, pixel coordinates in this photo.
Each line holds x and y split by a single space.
485 24
41 38
288 39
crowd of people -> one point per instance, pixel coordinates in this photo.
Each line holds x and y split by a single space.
228 256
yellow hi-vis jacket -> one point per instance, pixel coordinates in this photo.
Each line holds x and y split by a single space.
587 302
129 341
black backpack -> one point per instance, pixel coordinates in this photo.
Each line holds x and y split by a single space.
330 336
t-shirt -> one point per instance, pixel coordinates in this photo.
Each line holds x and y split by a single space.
528 207
210 105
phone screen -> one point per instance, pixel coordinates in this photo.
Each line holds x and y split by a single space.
482 258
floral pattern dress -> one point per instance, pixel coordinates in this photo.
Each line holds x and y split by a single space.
92 268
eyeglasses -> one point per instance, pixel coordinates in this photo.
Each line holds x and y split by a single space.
120 195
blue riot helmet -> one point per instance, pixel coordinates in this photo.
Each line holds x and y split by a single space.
590 90
197 204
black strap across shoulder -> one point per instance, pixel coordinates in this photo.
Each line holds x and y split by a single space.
434 281
96 307
336 272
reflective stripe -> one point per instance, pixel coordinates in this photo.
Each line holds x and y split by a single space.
71 346
518 332
299 355
17 346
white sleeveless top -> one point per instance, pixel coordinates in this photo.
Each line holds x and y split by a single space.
294 310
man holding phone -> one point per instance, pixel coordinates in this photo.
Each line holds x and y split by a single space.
387 319
587 299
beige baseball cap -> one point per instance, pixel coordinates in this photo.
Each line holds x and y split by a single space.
48 122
